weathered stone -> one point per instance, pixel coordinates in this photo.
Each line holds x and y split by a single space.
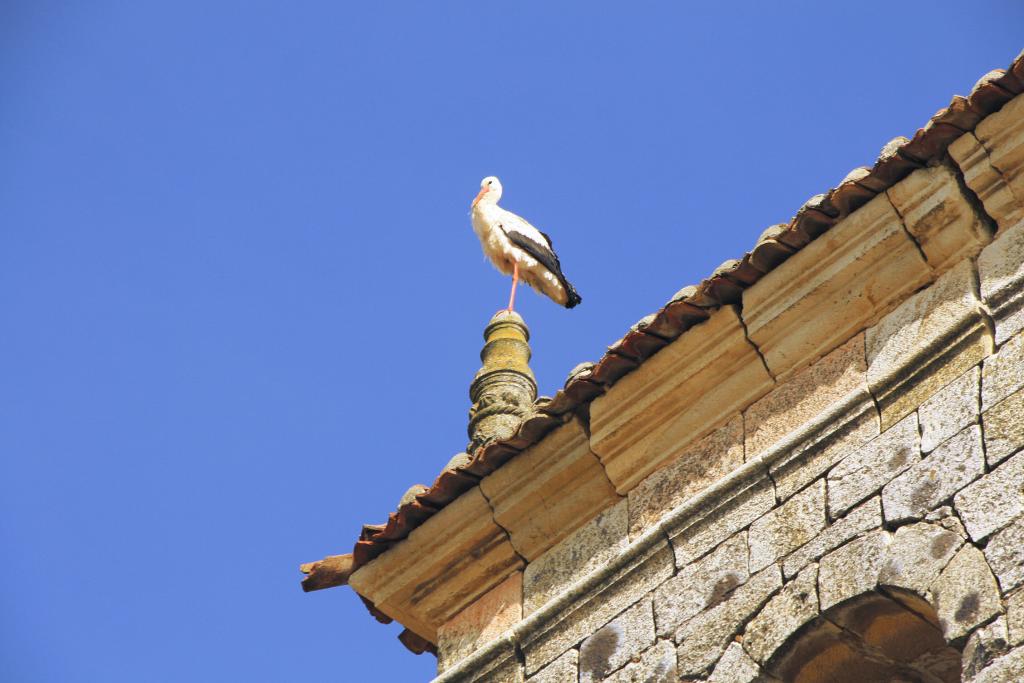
862 474
1003 373
965 594
951 409
834 287
986 181
699 465
548 490
736 666
787 527
1007 669
1015 618
701 584
986 644
917 555
851 569
504 389
720 519
597 606
805 396
946 517
939 216
926 342
795 605
995 500
863 518
657 665
1002 135
818 453
1006 557
615 643
949 468
565 669
491 615
1004 428
1001 271
443 566
503 666
703 639
586 549
650 416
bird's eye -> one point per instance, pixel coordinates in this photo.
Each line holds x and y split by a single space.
490 182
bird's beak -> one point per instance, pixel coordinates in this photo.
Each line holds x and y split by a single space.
479 196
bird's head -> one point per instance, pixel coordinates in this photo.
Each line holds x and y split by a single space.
490 191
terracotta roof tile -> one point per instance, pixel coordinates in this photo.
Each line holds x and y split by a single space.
690 306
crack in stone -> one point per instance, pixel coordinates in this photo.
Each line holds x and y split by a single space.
906 230
498 524
757 350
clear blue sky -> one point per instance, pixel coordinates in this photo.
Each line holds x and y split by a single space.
242 301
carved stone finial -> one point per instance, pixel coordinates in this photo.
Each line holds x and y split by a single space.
504 389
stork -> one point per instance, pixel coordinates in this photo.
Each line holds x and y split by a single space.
518 249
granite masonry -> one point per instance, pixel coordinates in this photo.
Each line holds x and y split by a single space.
823 481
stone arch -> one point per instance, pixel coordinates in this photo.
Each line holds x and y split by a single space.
893 606
875 636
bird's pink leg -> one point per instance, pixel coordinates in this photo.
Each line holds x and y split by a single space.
515 281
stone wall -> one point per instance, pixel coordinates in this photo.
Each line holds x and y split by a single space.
830 477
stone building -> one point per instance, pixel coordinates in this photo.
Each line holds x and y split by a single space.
809 467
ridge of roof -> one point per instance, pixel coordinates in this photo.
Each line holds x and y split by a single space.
693 304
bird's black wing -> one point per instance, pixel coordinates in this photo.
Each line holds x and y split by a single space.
546 257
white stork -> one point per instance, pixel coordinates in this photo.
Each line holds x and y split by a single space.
518 249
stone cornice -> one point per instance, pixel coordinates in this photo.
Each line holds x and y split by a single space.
683 392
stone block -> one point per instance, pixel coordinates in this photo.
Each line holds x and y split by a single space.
677 396
851 569
995 500
1001 271
1002 136
949 468
917 555
939 216
1004 428
703 639
736 666
795 605
803 398
820 451
548 490
986 181
442 567
1003 373
617 642
863 518
701 585
965 594
700 464
565 669
833 288
589 547
598 606
1007 669
788 526
876 463
985 645
720 519
926 342
1006 557
657 665
503 666
1015 618
952 408
491 615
